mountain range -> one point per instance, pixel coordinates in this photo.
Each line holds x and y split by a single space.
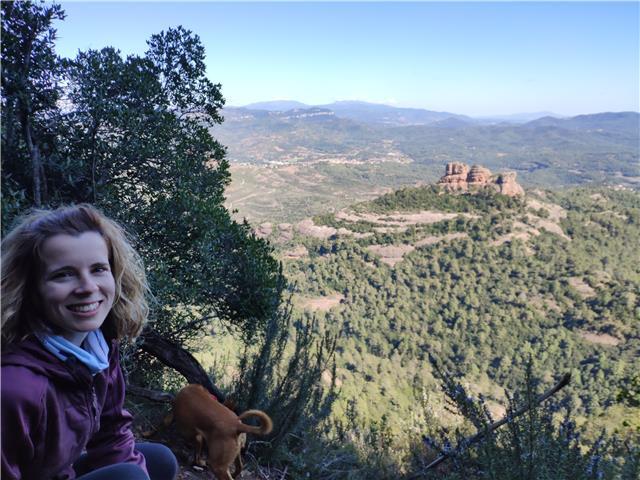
604 144
351 150
390 115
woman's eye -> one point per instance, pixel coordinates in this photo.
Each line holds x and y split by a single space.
101 269
61 275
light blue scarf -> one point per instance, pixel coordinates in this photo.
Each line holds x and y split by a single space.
94 352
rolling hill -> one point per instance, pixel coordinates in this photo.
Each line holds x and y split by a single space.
335 150
484 283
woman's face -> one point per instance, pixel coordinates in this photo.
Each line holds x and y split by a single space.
76 287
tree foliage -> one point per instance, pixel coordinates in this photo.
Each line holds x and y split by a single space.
30 90
131 135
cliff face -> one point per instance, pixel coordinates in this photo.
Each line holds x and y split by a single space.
507 184
459 177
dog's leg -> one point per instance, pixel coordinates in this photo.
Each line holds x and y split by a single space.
198 458
222 474
238 466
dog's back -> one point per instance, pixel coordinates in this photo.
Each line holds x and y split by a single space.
201 418
196 410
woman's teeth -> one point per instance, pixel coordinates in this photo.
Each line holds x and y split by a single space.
84 308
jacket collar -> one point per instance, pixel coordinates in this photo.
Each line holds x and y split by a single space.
31 354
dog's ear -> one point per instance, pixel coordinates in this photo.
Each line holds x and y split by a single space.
230 403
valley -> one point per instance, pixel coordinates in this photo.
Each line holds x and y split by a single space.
288 165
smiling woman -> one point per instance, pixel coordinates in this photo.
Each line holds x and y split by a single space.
77 287
72 288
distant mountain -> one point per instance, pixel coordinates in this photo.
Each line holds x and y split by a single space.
451 122
370 113
621 122
379 114
276 105
517 117
297 135
548 151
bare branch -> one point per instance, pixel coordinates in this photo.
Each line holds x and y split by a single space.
156 396
176 357
478 436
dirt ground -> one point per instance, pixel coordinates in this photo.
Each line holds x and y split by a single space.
582 287
170 437
322 303
391 254
600 338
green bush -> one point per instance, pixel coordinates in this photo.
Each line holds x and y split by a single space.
542 443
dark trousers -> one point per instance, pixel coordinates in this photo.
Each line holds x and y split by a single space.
161 464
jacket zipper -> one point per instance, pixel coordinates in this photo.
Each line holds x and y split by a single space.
94 409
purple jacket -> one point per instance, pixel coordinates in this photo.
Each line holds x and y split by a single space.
52 411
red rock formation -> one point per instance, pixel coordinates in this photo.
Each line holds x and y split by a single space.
479 175
456 176
456 168
459 177
507 184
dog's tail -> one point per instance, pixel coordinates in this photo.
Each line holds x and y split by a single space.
266 425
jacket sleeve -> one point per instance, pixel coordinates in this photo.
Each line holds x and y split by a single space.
22 409
114 441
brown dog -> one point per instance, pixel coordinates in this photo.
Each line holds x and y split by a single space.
202 418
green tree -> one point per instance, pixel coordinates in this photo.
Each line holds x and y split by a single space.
30 90
132 136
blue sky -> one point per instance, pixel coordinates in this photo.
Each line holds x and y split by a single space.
471 58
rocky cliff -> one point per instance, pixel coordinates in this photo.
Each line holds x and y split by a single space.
459 177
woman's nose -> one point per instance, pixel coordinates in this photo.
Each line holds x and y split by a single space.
86 284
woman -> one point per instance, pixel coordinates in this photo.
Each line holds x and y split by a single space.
72 288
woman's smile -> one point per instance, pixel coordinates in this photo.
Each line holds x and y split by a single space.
85 308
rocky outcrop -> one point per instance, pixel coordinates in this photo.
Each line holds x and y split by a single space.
456 176
479 175
507 184
459 177
309 229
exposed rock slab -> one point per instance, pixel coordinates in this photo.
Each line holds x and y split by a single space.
264 230
308 228
391 254
296 253
322 303
401 219
582 287
459 177
600 338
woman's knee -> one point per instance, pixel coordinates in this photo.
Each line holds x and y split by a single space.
160 460
129 471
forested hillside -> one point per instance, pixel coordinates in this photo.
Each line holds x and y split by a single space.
483 283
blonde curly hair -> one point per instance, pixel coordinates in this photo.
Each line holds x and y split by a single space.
22 264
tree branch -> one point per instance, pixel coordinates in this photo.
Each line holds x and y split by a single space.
156 396
176 357
478 436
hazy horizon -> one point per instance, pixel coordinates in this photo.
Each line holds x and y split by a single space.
477 59
496 115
